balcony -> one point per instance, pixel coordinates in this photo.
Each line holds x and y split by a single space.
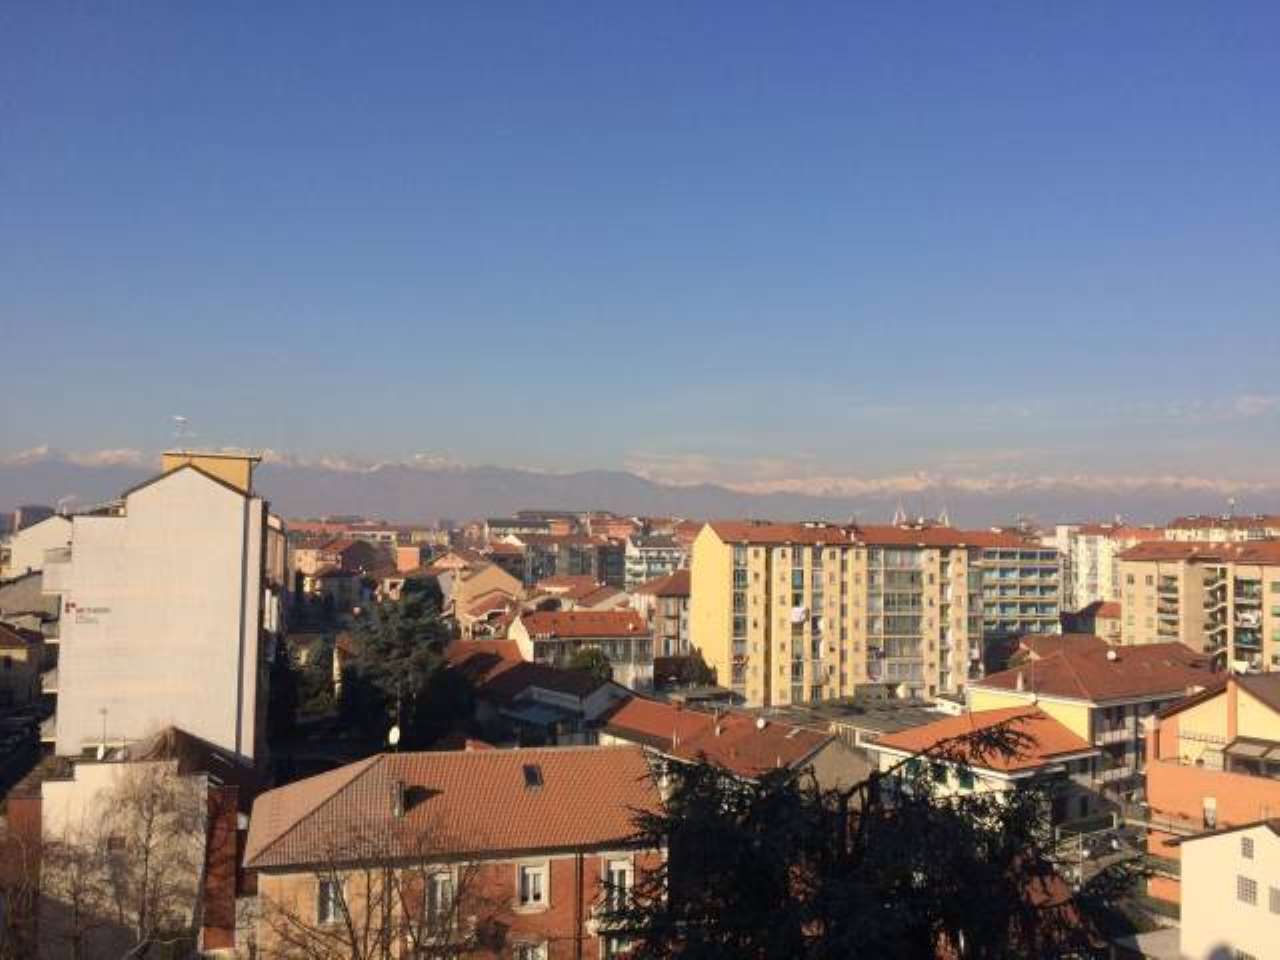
1115 733
49 681
49 729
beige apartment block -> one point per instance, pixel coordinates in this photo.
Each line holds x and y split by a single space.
1223 529
1219 598
797 612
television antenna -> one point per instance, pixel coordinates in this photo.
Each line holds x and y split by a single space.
182 427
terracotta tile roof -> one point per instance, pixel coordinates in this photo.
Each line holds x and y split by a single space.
511 680
573 586
672 585
1090 674
1258 551
481 660
765 531
740 746
457 803
584 623
1200 522
1045 645
938 536
1049 738
1102 610
603 595
489 602
500 547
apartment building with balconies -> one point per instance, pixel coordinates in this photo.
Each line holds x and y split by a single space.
649 556
1021 589
800 612
1219 598
555 637
1092 560
172 602
664 604
1223 529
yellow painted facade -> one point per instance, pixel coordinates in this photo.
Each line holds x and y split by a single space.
1202 728
1073 715
805 614
235 469
1254 718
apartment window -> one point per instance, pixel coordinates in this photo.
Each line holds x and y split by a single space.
1275 899
440 898
1246 847
329 901
530 951
964 778
617 884
533 885
1129 579
1246 890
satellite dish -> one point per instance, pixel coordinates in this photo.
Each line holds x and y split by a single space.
393 735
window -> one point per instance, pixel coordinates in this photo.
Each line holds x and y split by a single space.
1246 847
1275 899
8 662
440 898
530 951
329 901
611 947
1246 890
533 885
617 884
964 778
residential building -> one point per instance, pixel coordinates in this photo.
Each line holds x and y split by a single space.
553 637
1224 529
796 612
512 853
497 527
649 556
1219 598
664 604
462 588
25 551
549 555
1102 694
190 795
1093 559
1213 762
741 744
1050 752
172 604
27 668
353 556
1231 892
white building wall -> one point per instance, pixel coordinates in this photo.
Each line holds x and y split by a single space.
1215 921
164 627
27 547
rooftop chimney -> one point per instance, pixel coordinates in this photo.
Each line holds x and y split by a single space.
397 798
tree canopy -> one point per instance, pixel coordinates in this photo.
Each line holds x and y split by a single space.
778 868
593 661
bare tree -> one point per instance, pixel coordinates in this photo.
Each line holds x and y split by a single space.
356 901
19 887
124 877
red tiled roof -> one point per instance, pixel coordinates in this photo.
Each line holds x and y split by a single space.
511 680
1145 670
1047 644
584 623
755 531
1224 523
1049 738
672 585
740 746
765 531
573 586
602 594
457 804
481 660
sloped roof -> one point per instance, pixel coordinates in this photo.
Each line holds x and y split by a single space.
1261 551
584 623
1090 673
673 585
457 803
1047 644
513 679
732 741
1049 738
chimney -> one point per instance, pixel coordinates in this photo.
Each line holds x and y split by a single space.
1021 685
397 799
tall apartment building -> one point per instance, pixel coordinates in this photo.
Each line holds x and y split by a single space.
649 556
795 612
1021 588
1219 598
171 601
1092 562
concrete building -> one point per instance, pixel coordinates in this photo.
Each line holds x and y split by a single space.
24 551
553 637
1092 563
172 602
664 604
797 612
651 556
1102 694
1231 892
1213 762
1021 588
1222 599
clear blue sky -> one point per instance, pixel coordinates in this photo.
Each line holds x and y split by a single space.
699 238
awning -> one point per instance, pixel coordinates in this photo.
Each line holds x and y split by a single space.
1250 748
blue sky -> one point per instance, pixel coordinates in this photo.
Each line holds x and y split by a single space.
728 241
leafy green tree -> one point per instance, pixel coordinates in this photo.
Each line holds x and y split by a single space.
593 661
779 868
398 673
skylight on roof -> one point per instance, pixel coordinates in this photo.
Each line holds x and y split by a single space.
532 776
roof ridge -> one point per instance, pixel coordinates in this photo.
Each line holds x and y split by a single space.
368 762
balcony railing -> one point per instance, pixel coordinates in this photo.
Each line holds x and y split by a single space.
1115 733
